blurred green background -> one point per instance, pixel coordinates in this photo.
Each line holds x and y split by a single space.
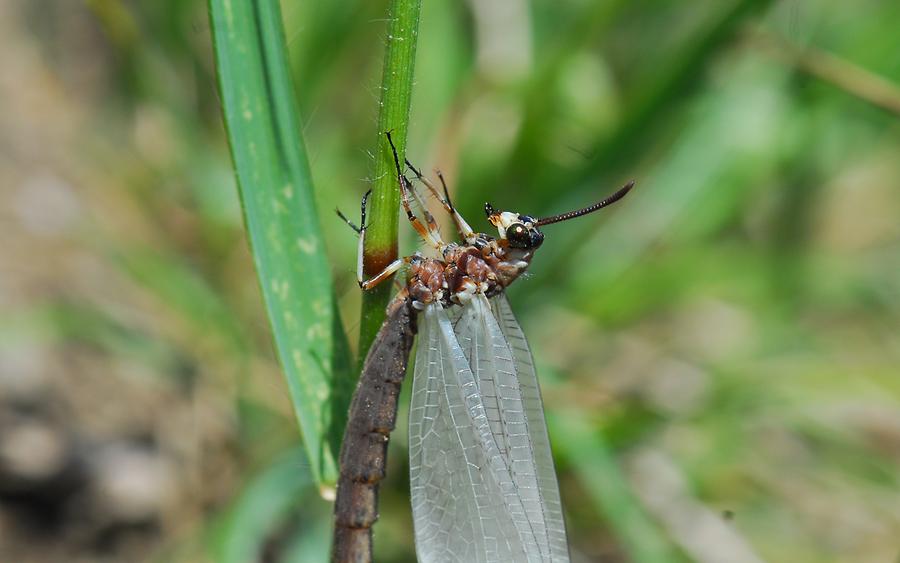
719 353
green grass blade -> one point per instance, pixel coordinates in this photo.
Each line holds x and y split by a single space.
396 92
277 197
254 517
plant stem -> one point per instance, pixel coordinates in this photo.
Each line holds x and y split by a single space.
396 91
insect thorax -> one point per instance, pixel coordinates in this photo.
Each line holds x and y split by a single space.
487 266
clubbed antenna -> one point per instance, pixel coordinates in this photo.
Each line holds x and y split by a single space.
589 209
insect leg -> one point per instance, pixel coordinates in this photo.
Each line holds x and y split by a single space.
384 274
463 228
405 183
361 230
429 234
432 238
429 218
362 215
348 221
380 276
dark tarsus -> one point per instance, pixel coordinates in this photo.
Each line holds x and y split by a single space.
373 414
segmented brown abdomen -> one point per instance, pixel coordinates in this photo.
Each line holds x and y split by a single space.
373 414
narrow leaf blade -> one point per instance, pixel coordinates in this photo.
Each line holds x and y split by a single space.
277 197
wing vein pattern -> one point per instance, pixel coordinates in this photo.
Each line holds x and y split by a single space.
537 427
481 491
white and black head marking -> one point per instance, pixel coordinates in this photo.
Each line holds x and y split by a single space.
520 231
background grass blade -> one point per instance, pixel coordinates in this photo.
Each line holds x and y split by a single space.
606 488
268 501
276 192
396 92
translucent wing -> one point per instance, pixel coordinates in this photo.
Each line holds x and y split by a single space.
466 505
492 364
537 428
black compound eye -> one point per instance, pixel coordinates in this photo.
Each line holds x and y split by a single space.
518 236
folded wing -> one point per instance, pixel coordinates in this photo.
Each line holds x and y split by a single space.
537 428
465 504
482 478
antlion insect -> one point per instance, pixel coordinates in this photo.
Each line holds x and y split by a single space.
482 480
